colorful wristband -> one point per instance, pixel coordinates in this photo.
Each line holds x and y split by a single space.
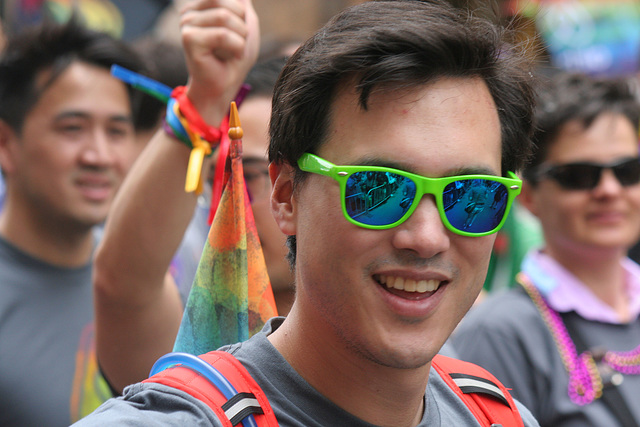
173 126
196 122
183 122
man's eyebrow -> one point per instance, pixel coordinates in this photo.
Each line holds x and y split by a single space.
121 118
124 118
465 170
474 170
371 161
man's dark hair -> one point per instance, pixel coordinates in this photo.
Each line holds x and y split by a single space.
53 47
263 76
397 45
568 97
164 62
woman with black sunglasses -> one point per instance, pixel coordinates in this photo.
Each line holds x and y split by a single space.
567 340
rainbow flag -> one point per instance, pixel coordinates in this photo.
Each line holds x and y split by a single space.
231 297
90 389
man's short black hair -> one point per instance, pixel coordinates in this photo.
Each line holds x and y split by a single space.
53 46
165 62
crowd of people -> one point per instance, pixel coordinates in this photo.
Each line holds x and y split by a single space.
380 319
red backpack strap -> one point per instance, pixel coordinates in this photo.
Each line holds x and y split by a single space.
486 397
219 380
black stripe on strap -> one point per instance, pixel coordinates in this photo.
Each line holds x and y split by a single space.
241 406
472 384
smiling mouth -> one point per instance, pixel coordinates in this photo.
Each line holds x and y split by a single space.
606 216
96 190
408 285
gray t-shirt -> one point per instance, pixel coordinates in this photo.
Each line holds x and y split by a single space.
46 317
185 261
294 401
507 336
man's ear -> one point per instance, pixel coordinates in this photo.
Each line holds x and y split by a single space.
283 206
7 148
527 197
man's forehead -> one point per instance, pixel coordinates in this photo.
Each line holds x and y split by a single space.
393 95
452 119
83 90
84 73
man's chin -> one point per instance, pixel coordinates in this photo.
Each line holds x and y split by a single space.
88 220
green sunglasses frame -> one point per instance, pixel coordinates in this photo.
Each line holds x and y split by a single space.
435 186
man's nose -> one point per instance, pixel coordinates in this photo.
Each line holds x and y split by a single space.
423 232
98 150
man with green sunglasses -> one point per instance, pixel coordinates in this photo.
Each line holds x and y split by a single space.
382 126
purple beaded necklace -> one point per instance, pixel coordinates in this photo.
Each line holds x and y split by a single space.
585 382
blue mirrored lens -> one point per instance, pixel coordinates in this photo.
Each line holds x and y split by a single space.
475 205
378 198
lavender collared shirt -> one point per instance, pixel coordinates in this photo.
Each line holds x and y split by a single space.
564 292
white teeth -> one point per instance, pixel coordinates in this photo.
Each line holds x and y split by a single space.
409 285
422 286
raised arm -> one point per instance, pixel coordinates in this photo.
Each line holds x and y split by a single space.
138 308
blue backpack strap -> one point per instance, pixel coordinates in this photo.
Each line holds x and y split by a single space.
219 380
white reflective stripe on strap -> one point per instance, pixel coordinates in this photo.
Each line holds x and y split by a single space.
471 384
240 406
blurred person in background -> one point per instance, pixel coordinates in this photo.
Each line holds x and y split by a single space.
566 339
66 142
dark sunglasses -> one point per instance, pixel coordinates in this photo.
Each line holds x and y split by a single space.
586 175
378 197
